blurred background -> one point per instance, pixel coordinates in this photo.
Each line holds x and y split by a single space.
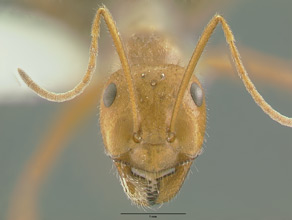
245 170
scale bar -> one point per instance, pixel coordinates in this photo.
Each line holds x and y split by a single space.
153 213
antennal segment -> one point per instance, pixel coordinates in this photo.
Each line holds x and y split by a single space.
284 120
78 89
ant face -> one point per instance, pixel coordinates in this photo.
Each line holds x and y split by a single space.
152 165
153 114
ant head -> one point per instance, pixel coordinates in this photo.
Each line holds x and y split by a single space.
153 162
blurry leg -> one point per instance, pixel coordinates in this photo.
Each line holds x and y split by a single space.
262 67
24 199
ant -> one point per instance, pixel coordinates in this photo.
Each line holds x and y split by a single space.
154 146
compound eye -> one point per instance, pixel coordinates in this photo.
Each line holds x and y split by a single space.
197 94
109 95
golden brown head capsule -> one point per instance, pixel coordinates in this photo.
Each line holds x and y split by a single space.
153 162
